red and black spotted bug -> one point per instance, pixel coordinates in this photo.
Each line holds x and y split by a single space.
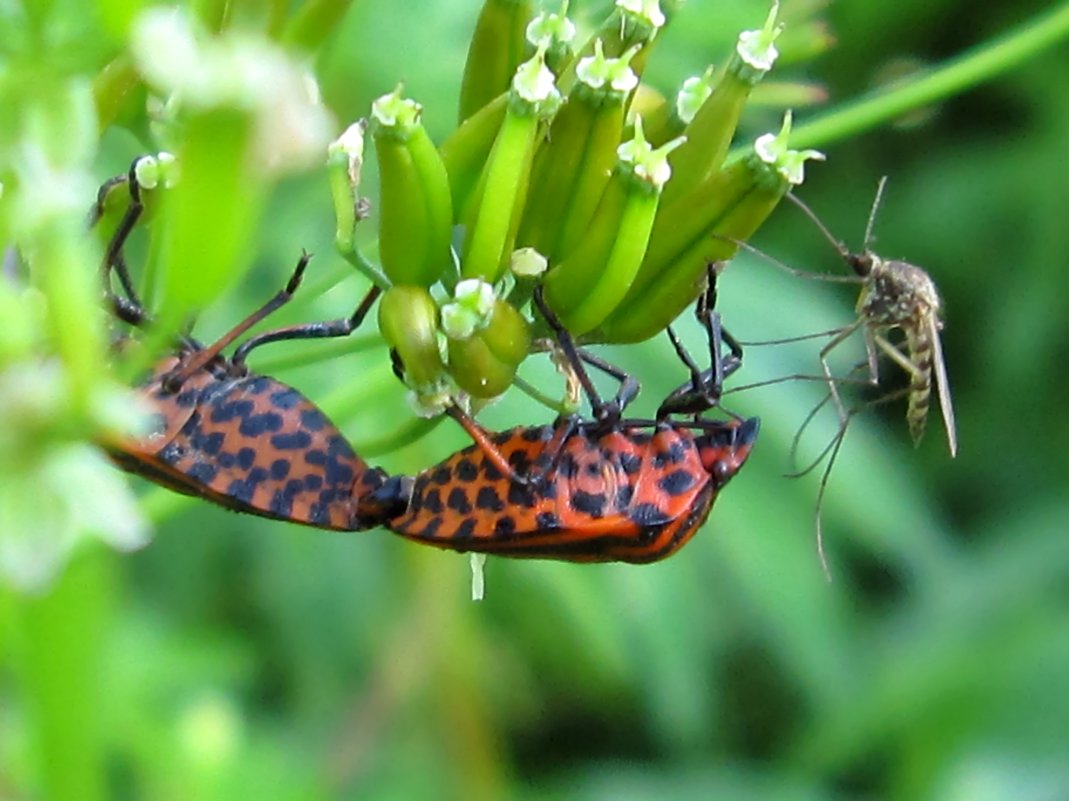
607 490
244 441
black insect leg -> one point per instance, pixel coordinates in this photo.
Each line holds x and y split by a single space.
605 413
202 357
342 327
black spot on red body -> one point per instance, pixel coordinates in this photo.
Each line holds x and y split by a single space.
295 441
521 495
256 424
187 399
648 514
536 434
289 398
203 472
488 499
677 482
432 502
505 526
547 521
226 412
245 458
466 470
313 420
257 385
592 504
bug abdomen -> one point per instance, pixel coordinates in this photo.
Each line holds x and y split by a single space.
920 384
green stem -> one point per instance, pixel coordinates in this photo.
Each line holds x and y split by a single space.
414 429
62 639
314 22
963 72
531 391
364 266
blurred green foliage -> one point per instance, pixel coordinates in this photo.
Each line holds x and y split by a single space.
240 658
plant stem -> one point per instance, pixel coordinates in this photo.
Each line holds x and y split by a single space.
414 429
970 69
62 637
364 266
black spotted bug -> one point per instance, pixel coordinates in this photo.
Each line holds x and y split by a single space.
244 441
608 489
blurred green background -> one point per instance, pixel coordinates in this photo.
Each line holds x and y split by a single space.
240 658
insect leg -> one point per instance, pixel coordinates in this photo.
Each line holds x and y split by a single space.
486 445
202 357
342 327
605 413
837 340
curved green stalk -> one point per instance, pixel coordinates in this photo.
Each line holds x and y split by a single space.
416 428
970 69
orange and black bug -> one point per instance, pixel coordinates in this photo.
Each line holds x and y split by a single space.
244 441
607 490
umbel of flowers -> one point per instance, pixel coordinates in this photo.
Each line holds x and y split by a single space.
553 179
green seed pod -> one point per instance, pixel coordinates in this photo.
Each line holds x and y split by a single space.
496 50
575 164
737 201
415 208
467 150
408 320
630 23
680 225
487 339
502 186
554 33
681 283
508 334
345 164
655 110
710 129
585 288
476 369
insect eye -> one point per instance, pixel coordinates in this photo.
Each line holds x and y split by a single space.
171 383
721 471
861 263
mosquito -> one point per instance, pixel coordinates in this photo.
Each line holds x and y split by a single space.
894 295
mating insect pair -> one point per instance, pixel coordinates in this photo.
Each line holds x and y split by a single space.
606 489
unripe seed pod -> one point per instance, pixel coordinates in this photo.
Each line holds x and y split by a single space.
713 125
466 151
476 369
588 285
508 334
502 186
408 320
697 229
415 208
496 50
